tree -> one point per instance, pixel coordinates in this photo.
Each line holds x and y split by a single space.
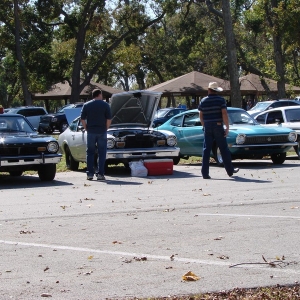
97 33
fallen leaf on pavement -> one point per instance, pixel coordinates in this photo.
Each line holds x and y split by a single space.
190 276
46 295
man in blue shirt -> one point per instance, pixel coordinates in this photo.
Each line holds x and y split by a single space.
213 115
96 119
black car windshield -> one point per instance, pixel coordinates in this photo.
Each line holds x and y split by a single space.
240 117
14 124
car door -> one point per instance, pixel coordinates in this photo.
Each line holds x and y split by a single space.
189 132
77 140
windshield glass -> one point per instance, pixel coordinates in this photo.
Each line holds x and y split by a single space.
161 113
260 106
14 124
240 117
292 115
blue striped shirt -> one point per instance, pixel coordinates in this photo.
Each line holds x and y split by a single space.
211 107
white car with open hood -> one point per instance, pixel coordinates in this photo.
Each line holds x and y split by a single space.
130 136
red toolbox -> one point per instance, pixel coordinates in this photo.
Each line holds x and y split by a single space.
159 166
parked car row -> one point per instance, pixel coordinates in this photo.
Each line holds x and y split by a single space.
265 105
247 139
132 135
41 120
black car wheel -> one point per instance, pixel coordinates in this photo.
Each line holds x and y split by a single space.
63 126
297 150
47 172
71 163
15 173
278 158
176 160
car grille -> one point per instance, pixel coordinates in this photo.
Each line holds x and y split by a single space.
18 150
267 139
139 141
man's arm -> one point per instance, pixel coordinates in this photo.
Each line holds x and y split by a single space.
83 122
108 122
225 120
201 118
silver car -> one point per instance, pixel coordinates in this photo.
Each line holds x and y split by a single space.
130 136
287 116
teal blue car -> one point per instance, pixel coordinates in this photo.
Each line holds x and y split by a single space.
247 139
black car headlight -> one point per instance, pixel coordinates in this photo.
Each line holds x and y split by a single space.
172 140
292 136
52 147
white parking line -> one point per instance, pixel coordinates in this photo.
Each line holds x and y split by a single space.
248 216
157 257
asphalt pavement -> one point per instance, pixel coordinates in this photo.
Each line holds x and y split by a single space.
138 236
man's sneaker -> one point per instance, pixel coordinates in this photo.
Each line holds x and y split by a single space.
89 177
235 170
100 177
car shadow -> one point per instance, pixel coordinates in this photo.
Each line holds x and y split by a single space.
27 181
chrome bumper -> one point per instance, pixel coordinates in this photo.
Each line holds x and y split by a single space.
291 144
6 161
142 153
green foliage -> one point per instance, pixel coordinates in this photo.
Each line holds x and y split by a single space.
60 38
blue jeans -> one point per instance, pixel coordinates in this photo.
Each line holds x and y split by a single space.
93 140
214 132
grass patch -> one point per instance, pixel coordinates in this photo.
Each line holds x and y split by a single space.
291 292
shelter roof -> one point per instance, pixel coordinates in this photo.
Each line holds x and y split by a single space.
253 83
62 90
193 83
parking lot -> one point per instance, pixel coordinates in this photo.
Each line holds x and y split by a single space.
136 237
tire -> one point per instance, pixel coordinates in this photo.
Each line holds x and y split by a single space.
217 156
47 172
15 173
63 126
71 163
297 150
278 158
176 160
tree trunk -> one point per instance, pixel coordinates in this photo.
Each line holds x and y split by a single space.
272 19
22 68
235 92
278 56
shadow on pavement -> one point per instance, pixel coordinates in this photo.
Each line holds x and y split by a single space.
27 181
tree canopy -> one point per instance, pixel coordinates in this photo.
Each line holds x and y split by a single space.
138 44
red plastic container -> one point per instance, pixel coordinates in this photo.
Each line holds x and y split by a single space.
159 166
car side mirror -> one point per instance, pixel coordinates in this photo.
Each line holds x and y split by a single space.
81 128
277 121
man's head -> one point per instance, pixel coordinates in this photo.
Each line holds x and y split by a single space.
214 87
96 93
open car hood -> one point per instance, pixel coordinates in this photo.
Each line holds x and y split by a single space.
134 108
